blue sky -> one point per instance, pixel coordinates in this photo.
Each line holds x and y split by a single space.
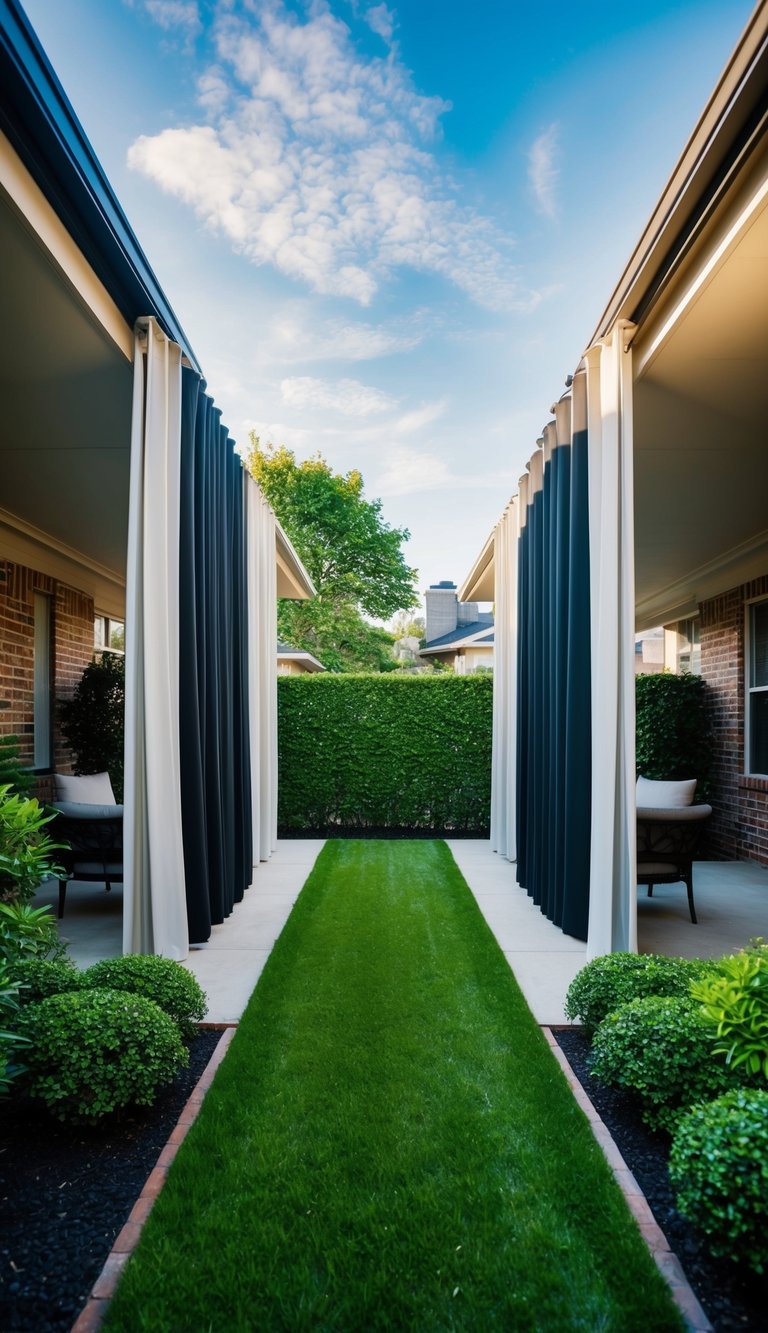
389 229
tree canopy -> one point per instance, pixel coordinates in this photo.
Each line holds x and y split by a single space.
353 557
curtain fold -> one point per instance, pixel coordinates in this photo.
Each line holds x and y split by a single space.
503 832
154 900
261 529
612 916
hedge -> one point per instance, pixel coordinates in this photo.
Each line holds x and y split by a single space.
674 729
385 752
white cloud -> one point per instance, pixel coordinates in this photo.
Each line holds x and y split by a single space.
381 20
407 471
292 337
174 14
349 397
317 160
543 171
420 417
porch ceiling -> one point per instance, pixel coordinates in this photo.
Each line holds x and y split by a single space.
66 406
701 432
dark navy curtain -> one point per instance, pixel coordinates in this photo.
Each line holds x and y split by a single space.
553 699
213 687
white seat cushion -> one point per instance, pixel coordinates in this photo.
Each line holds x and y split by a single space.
665 795
88 789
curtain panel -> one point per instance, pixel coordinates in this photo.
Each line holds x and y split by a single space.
188 835
503 834
262 668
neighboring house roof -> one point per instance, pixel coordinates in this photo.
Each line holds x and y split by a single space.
285 653
477 635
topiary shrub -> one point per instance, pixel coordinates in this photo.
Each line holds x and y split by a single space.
93 1052
661 1048
718 1165
93 720
160 979
734 1000
614 979
37 978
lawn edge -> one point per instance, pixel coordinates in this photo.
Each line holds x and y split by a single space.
664 1256
94 1311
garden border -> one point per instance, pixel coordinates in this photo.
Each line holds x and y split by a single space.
665 1258
92 1315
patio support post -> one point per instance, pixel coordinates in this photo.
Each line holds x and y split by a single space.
612 908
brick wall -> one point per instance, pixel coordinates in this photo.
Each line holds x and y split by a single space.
71 651
739 826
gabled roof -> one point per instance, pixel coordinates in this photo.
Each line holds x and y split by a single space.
285 653
477 635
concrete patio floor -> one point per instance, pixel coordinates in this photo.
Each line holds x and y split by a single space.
731 904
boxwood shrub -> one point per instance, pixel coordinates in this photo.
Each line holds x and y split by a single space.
385 752
615 978
92 1052
718 1165
661 1048
37 978
169 984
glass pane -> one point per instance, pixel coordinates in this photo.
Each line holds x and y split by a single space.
758 732
759 644
98 631
117 635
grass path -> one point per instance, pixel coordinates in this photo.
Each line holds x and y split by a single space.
389 1143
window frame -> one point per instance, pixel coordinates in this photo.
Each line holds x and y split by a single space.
749 689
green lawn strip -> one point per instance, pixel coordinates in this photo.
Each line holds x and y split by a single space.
389 1143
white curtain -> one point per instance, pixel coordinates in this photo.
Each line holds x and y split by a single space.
612 907
503 777
154 912
262 655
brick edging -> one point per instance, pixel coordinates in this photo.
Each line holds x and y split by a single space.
92 1315
666 1260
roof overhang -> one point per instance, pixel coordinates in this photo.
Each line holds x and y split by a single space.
293 581
479 583
306 660
477 640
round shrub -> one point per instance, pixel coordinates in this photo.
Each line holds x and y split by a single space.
661 1048
160 979
95 1051
38 978
616 978
718 1165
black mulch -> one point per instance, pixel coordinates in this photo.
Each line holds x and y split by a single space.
65 1194
733 1298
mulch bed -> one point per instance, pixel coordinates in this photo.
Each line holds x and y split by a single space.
66 1192
732 1298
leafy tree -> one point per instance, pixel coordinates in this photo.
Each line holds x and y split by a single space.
353 557
404 625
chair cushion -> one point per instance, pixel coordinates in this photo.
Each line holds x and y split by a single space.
665 795
88 789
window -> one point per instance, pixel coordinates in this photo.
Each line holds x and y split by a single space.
108 635
42 681
688 656
757 687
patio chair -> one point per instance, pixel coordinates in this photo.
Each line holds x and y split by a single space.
92 823
669 829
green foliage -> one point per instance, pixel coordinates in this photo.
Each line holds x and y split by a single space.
28 932
94 1051
11 771
614 979
336 634
661 1048
93 720
673 729
735 1002
398 752
169 984
718 1165
26 850
38 978
350 553
10 1038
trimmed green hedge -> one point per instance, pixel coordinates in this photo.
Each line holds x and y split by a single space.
385 752
674 729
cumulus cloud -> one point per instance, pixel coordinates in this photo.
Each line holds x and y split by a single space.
543 171
420 417
320 161
349 397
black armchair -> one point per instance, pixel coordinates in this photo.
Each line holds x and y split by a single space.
93 831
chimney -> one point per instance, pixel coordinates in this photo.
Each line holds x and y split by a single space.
442 610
